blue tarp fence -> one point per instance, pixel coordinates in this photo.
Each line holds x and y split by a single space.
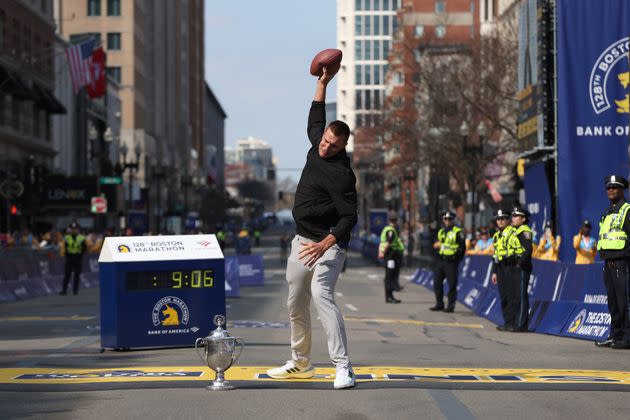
565 299
27 275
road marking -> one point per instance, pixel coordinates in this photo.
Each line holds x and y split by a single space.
338 294
413 322
351 307
46 318
374 276
450 405
61 375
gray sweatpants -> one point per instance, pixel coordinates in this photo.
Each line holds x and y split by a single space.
318 282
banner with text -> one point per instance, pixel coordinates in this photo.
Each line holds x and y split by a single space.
537 198
593 108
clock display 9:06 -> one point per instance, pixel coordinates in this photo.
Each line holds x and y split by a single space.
174 279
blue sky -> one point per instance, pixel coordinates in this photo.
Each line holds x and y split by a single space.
258 55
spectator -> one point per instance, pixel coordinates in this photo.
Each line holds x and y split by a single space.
549 244
585 246
483 246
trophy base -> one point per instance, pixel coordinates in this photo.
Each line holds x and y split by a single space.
219 386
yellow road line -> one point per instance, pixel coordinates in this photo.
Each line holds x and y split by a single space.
62 375
413 322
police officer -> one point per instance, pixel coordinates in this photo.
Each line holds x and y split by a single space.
451 247
614 248
391 250
519 270
500 268
73 246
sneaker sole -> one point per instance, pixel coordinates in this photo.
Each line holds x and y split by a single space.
297 375
345 386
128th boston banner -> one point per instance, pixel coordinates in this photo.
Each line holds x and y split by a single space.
593 109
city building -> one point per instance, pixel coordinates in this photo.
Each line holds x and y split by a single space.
155 53
27 105
214 141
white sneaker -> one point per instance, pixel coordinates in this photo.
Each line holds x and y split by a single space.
291 370
344 378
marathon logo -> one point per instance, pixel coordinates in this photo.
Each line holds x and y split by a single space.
590 324
609 58
109 374
157 246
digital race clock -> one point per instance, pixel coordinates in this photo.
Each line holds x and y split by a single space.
172 279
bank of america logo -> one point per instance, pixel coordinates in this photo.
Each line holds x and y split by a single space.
204 244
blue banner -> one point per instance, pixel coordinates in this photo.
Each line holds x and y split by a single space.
378 220
593 109
537 198
250 270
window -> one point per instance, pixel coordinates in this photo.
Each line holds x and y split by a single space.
358 99
385 4
358 52
368 99
399 79
376 25
385 25
377 99
358 21
367 30
113 7
440 31
367 51
377 75
367 75
357 4
114 73
419 31
113 41
394 25
94 7
385 49
377 50
357 74
440 7
80 38
377 5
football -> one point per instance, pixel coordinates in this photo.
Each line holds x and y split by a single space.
330 58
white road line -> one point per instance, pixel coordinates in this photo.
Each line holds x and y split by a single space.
338 294
351 307
373 276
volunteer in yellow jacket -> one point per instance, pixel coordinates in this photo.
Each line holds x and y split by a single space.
549 245
585 246
450 248
500 267
520 250
73 247
391 251
614 248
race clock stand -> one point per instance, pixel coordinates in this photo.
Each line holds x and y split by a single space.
159 291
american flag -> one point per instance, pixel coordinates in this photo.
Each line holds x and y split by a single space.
80 63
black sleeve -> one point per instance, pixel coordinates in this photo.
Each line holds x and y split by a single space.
390 236
316 122
344 196
526 241
461 249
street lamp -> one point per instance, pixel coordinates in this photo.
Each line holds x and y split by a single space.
131 166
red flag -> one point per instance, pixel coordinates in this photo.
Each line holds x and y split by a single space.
98 83
496 195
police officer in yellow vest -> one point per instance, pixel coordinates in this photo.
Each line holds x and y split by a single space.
614 249
391 250
518 271
450 246
500 267
73 247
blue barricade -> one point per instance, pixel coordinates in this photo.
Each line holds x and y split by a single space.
565 299
250 270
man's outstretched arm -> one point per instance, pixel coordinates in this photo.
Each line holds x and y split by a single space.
317 114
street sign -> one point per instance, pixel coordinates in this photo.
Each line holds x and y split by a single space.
110 180
11 188
99 205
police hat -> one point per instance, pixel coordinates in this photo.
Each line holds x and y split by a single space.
586 223
74 225
616 181
501 214
520 211
448 215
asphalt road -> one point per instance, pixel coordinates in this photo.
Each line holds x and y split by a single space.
413 363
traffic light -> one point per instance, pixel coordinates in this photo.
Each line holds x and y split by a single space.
14 210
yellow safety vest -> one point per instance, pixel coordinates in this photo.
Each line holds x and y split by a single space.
611 233
514 244
74 246
449 241
500 243
396 245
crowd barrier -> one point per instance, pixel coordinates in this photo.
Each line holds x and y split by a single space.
565 299
28 275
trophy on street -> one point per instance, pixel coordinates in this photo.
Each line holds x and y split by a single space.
219 353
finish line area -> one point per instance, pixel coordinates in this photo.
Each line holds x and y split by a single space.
245 377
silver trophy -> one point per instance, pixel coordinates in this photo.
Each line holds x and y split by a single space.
220 352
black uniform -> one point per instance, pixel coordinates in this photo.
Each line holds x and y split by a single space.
518 270
617 279
446 268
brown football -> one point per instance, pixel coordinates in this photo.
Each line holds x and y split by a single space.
330 58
